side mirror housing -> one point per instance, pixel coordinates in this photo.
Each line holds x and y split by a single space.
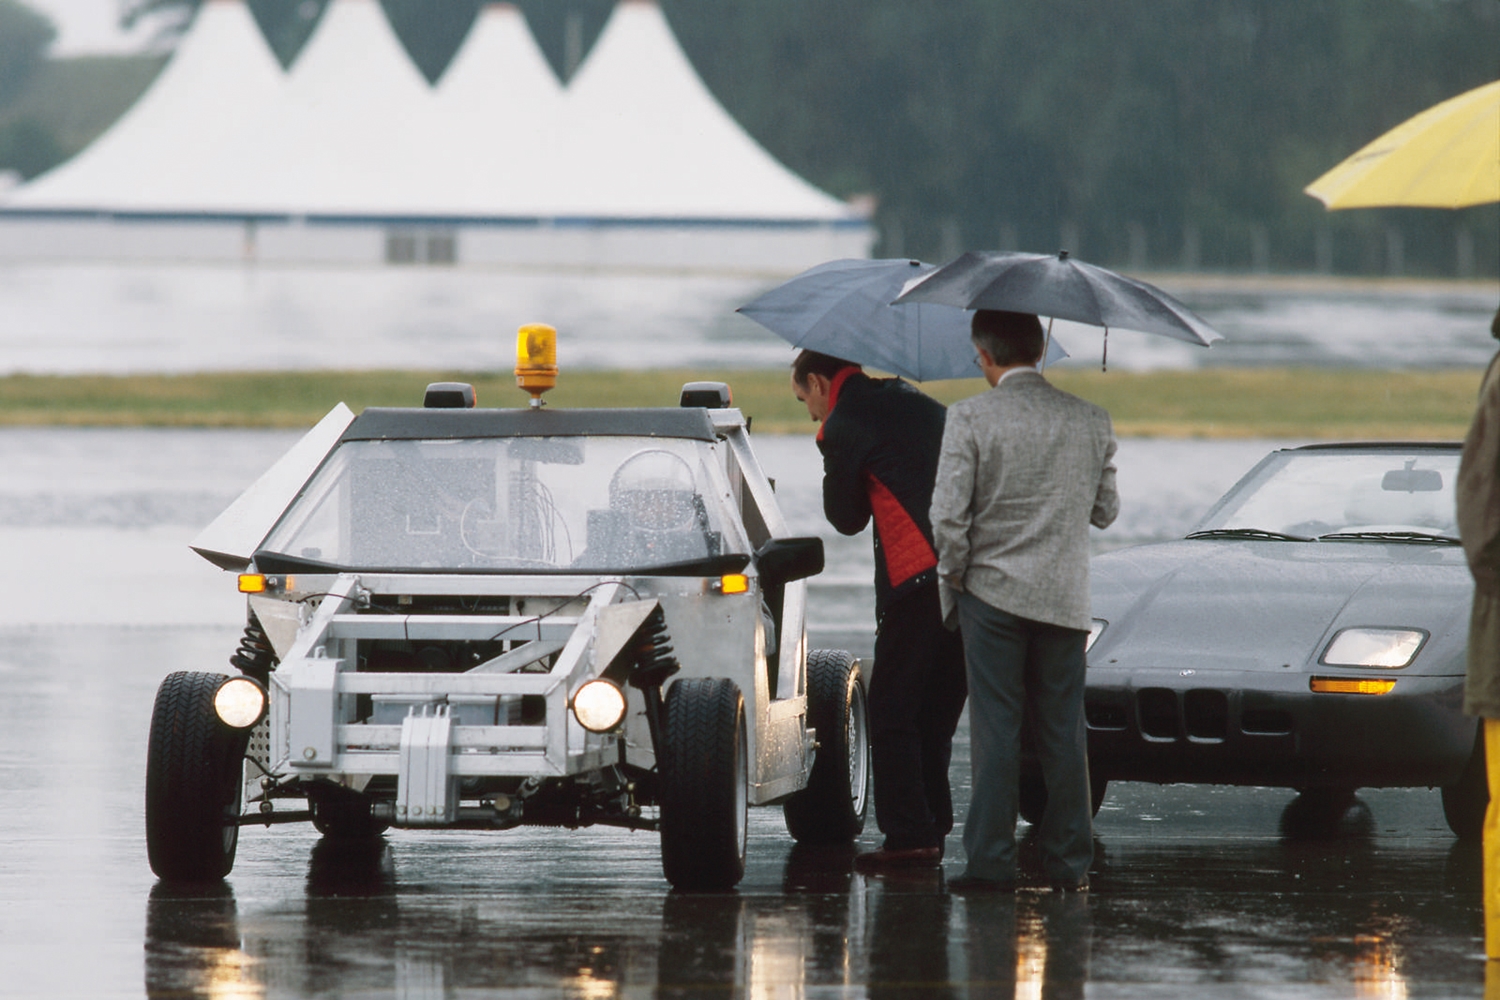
782 560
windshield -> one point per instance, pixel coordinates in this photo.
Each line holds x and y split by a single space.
604 504
1315 493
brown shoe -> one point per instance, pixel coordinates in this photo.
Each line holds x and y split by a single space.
911 857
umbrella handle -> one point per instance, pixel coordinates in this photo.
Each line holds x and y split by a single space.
1104 362
1046 347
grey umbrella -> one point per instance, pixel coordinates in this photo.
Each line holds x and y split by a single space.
843 308
1059 287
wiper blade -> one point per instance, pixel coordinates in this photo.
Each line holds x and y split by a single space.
277 562
729 562
1420 537
1260 533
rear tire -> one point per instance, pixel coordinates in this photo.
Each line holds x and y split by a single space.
704 775
194 782
831 809
1465 801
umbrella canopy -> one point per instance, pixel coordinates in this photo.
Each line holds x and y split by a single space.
1059 287
843 308
1446 157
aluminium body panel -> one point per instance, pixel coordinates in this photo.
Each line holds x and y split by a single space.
230 540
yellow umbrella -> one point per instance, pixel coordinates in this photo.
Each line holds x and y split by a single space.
1446 157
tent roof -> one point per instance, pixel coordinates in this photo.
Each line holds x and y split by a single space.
645 136
159 156
500 106
498 68
352 130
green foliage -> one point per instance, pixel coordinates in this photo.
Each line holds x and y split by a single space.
27 147
566 29
24 38
431 32
1029 118
287 24
69 102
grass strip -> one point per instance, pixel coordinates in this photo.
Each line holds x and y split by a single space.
1209 403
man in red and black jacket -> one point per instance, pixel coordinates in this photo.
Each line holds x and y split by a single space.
880 440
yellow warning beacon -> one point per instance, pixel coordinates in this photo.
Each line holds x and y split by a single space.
536 360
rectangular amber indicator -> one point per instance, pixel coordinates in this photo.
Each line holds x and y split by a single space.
252 583
734 583
1350 685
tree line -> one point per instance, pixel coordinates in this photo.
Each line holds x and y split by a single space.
1159 133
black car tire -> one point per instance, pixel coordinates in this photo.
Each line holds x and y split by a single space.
1032 795
342 815
831 809
1326 813
194 782
1465 801
704 775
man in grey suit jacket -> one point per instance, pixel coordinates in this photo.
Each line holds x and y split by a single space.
1025 469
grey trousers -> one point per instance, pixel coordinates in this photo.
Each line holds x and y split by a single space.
1018 666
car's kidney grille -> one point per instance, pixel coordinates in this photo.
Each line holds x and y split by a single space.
1201 715
1158 713
1104 715
1205 714
1265 722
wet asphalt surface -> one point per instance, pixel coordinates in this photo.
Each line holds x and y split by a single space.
1197 890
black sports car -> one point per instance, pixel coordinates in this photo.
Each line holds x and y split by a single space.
1308 633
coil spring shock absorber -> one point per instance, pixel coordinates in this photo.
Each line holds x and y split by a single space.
654 663
254 656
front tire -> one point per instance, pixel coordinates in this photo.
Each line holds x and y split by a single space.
704 776
1031 795
1465 801
194 769
831 809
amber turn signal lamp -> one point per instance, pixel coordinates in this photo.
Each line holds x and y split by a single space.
252 583
734 583
536 359
1350 685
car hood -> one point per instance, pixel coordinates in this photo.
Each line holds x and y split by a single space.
1242 605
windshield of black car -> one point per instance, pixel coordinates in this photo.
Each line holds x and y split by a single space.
1312 494
597 504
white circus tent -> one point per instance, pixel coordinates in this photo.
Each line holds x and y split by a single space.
645 138
352 152
500 107
162 155
351 133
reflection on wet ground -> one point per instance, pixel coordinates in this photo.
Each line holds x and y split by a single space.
553 915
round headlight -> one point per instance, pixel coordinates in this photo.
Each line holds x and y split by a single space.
599 705
240 703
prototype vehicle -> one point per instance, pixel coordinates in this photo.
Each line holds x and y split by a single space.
1310 632
481 618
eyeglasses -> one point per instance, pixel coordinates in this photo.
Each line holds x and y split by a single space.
978 362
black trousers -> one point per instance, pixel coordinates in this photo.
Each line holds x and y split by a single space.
917 693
